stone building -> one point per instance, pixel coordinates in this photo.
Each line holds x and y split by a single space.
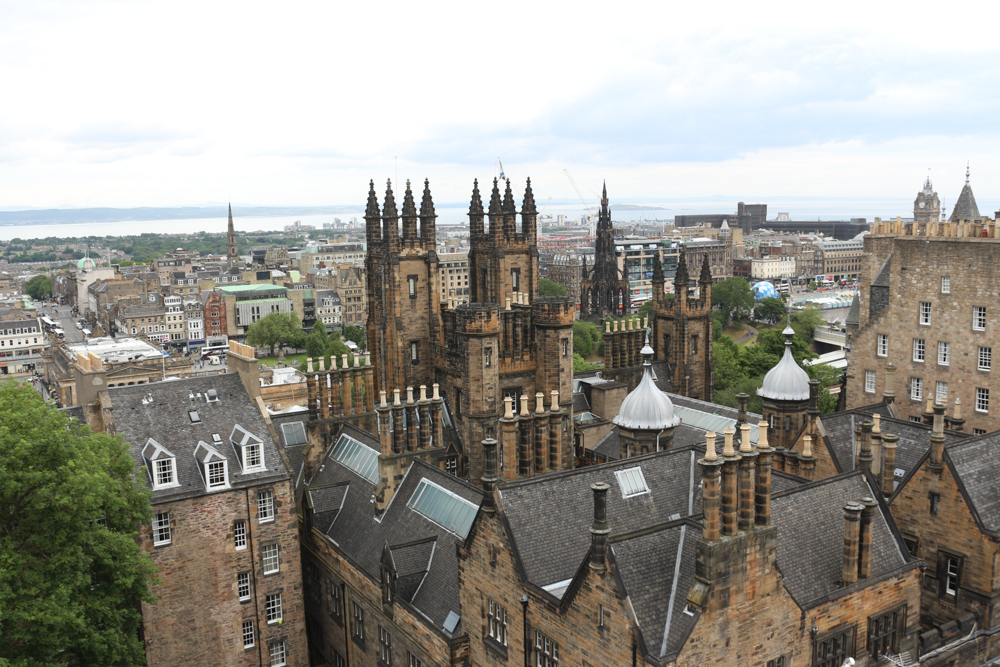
215 317
349 283
454 268
841 259
566 269
927 205
718 253
604 288
224 529
927 310
772 268
23 343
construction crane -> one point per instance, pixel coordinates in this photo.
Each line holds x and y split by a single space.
591 211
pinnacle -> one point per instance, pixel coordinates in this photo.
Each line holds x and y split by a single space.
372 209
409 208
508 199
476 205
495 204
706 271
528 205
389 208
427 203
681 278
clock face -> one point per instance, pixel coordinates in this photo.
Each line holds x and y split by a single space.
921 204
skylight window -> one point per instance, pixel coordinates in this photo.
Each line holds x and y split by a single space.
450 511
632 482
195 417
295 434
357 457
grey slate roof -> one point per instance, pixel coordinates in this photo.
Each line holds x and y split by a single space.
580 403
295 453
361 537
882 277
854 314
166 420
965 207
974 464
810 523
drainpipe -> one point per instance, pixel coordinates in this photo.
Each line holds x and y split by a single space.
527 643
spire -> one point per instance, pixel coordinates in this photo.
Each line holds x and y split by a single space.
966 173
604 219
476 205
495 205
372 210
657 270
389 207
528 205
409 208
427 204
965 208
508 200
706 271
231 230
681 278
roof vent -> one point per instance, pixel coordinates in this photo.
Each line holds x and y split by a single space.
195 417
212 396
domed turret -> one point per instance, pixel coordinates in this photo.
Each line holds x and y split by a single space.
86 264
786 381
646 418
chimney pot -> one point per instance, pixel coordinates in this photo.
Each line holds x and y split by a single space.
508 407
309 365
524 405
395 397
807 446
409 394
710 454
599 529
555 400
745 447
435 396
762 435
539 402
727 450
423 393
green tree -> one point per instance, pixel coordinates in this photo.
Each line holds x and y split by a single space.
318 341
747 386
718 325
586 335
726 363
827 402
581 365
770 308
548 287
273 329
805 321
39 287
772 342
734 297
355 335
337 350
71 569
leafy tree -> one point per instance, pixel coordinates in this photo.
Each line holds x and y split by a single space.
318 341
770 308
548 287
804 321
734 297
580 365
39 287
273 329
726 360
585 337
772 341
355 335
337 351
746 386
718 324
646 310
827 402
71 570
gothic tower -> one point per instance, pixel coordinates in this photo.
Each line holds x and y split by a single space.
232 257
503 261
927 206
604 290
404 304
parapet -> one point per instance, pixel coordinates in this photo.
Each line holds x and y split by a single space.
555 311
477 318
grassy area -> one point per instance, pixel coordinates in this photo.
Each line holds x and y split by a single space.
274 361
735 330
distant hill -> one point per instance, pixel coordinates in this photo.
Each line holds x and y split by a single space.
76 215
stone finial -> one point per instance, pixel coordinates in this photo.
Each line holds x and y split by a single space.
807 445
423 393
607 326
395 397
762 435
710 454
508 407
322 364
539 402
728 450
309 365
409 395
524 405
958 408
745 447
555 400
382 402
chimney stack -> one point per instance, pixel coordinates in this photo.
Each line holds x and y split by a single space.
865 446
889 467
762 485
876 437
710 470
889 393
852 519
729 491
865 538
937 439
599 530
745 497
807 460
489 478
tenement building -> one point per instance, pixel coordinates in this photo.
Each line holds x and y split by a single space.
928 311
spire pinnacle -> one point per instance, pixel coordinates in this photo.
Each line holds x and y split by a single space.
409 207
528 205
495 205
476 205
681 278
427 203
389 207
706 271
371 211
508 199
657 270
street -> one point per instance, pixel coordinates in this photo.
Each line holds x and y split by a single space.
66 322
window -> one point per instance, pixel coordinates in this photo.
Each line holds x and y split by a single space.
982 399
632 482
388 584
488 354
412 281
240 534
882 347
216 474
276 651
358 628
385 645
944 353
918 349
985 358
496 619
161 529
269 556
694 345
414 352
916 420
935 501
251 457
413 661
925 312
451 465
165 472
248 634
870 382
884 631
265 506
777 662
941 393
335 602
917 389
831 650
515 279
546 651
945 284
338 660
272 608
243 586
949 573
565 347
449 510
979 318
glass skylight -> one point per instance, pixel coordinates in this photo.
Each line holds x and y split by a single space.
295 434
357 457
632 482
450 511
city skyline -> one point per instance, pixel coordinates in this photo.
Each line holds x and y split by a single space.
116 104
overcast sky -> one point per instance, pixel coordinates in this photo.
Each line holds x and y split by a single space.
183 103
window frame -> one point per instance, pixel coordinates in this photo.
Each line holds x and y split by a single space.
385 646
265 506
248 625
161 526
496 622
916 389
925 313
919 349
158 473
270 554
870 382
944 353
357 622
979 318
243 582
282 658
259 449
881 345
836 657
211 468
985 353
546 650
239 535
273 608
945 558
895 636
940 397
945 284
982 399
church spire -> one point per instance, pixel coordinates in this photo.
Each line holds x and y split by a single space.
232 256
409 207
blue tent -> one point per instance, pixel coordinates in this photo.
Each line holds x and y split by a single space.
764 290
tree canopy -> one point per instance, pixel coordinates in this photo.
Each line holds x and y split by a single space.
318 341
355 335
71 570
586 336
734 298
39 287
274 329
770 308
548 287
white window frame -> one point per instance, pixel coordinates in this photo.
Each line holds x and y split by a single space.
162 532
951 571
496 619
247 458
270 559
919 349
632 477
979 318
385 645
917 389
240 535
941 392
265 506
212 469
945 284
243 588
277 654
249 634
985 358
982 399
882 345
159 473
870 382
925 313
944 353
272 608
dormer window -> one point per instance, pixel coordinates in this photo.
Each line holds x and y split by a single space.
249 449
216 474
212 466
165 473
161 465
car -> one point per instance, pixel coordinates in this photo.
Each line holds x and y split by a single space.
79 326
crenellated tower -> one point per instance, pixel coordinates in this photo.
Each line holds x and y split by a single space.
604 290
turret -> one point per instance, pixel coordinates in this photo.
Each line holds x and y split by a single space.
390 217
428 232
409 216
373 218
529 215
476 227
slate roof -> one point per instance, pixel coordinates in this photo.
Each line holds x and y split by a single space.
580 403
965 207
974 464
882 277
295 453
854 314
166 420
427 576
810 523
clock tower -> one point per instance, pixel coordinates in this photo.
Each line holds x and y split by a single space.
927 206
